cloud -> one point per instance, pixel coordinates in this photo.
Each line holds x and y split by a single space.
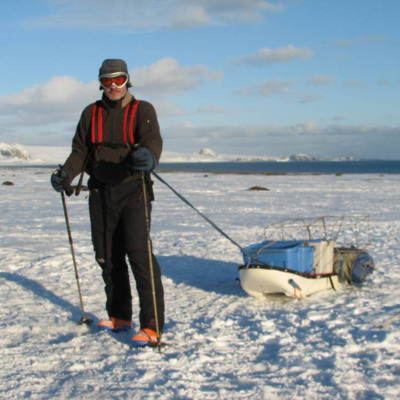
134 15
320 80
338 118
166 109
354 83
310 130
361 39
211 109
360 42
37 108
181 129
383 81
310 98
335 140
62 92
167 78
280 88
56 105
268 88
273 56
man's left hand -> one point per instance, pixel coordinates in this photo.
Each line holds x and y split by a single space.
142 160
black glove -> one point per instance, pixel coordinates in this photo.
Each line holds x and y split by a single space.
58 177
142 160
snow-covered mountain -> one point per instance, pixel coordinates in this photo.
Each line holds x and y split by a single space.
15 154
13 151
298 157
209 155
305 157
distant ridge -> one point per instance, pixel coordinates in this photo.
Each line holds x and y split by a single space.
14 154
208 155
305 157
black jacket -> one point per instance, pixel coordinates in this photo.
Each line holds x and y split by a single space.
147 134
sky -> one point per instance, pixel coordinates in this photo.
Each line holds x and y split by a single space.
246 77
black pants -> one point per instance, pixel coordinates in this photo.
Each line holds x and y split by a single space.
117 214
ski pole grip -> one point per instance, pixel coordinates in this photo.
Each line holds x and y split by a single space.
67 187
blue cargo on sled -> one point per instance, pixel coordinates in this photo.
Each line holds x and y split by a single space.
293 255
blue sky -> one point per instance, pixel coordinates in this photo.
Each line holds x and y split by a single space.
246 77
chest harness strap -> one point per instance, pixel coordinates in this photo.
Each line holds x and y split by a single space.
128 130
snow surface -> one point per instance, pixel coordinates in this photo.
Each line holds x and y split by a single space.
223 344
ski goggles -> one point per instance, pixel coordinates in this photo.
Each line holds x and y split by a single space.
118 79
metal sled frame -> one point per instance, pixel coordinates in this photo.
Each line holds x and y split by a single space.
353 230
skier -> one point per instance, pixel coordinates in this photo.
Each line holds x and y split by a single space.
105 147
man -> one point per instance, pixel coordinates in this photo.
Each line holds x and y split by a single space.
116 141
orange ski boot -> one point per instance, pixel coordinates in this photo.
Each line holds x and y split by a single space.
145 337
114 325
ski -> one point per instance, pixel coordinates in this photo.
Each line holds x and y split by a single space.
389 321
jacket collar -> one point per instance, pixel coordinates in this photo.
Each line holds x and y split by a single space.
117 104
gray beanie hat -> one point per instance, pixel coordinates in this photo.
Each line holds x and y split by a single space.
111 66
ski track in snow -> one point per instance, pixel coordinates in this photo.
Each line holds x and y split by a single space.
223 344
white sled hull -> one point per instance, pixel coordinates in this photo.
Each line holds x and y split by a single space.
259 281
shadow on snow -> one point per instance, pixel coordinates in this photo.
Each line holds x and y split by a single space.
208 275
39 290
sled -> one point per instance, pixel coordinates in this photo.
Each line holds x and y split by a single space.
300 257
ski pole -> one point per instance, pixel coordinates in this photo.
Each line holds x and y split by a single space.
150 252
85 163
84 319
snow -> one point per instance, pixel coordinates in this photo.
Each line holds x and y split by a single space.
223 344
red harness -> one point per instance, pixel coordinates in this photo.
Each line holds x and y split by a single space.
129 126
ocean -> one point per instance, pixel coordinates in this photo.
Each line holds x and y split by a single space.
300 167
271 167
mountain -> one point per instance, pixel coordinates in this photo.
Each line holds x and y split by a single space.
208 155
299 157
16 154
306 158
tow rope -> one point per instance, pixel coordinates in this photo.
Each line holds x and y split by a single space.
200 213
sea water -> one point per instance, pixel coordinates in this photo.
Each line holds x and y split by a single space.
272 167
301 167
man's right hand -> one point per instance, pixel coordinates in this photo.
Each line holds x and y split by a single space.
58 177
